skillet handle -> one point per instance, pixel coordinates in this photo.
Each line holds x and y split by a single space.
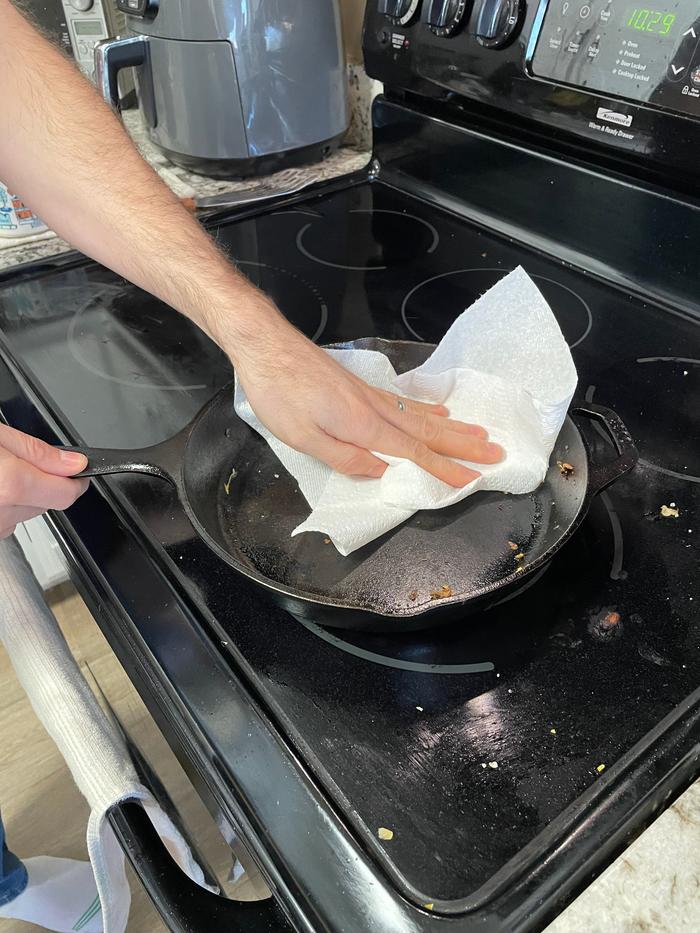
160 460
601 475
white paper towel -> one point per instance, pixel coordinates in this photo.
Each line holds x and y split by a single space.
503 364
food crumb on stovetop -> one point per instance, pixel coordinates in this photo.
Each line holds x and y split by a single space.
513 546
419 708
413 595
429 905
493 764
600 768
386 834
565 469
669 511
553 731
326 540
519 568
519 556
444 592
227 484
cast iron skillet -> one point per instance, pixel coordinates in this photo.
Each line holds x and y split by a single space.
244 504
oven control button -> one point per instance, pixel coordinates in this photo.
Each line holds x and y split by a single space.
400 12
445 16
676 72
498 22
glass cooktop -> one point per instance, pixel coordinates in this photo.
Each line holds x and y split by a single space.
464 741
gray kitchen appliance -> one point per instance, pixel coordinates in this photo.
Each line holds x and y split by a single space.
234 87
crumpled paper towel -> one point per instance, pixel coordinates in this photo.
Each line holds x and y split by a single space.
503 364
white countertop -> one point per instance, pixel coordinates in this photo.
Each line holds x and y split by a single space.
654 886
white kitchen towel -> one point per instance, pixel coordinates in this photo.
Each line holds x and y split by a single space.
90 744
503 364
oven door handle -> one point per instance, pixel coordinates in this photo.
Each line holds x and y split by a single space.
182 904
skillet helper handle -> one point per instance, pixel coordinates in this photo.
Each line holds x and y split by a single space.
601 475
183 905
103 461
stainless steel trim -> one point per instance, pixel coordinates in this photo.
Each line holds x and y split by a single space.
238 198
106 68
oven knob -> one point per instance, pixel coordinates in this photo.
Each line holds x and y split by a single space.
498 21
82 5
445 16
400 12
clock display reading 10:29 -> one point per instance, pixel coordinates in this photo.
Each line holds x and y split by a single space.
659 22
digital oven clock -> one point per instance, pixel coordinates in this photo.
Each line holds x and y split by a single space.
652 21
644 55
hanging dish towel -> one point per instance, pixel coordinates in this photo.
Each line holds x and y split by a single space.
91 746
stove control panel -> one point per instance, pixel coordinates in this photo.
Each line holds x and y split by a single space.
622 49
602 74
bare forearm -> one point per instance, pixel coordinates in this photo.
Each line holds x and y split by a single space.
123 216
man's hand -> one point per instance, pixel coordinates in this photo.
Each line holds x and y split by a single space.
33 478
311 403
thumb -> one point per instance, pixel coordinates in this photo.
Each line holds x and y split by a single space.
44 456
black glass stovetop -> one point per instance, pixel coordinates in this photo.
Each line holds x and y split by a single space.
464 741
